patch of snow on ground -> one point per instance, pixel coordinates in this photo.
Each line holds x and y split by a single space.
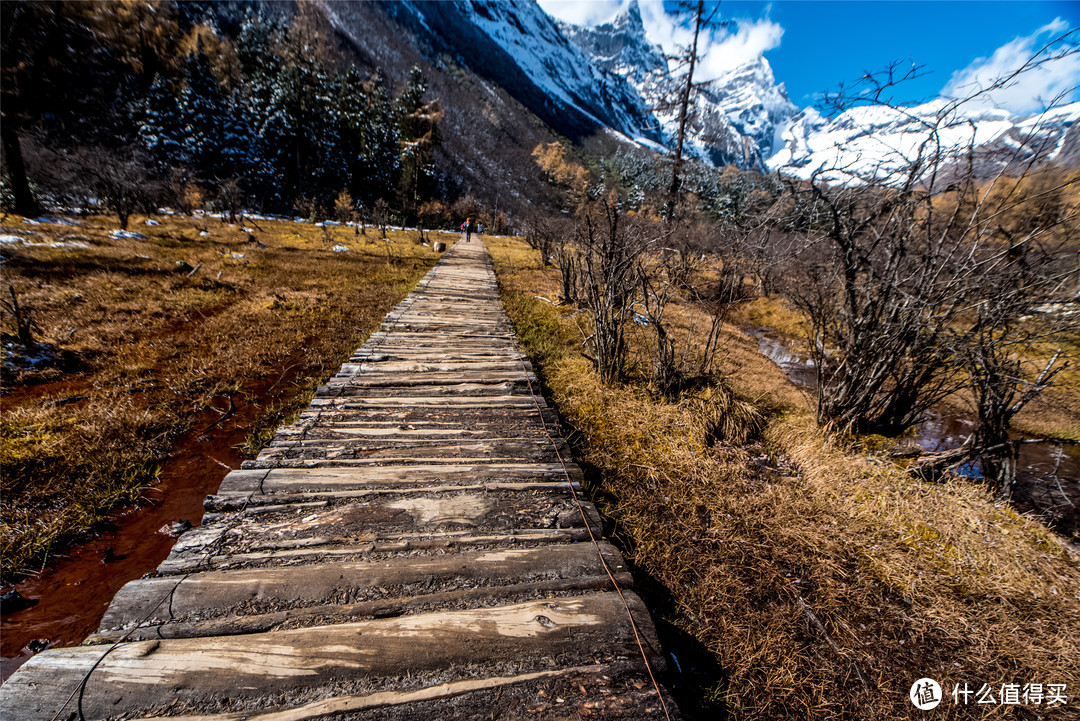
18 358
127 234
52 219
151 221
340 249
5 239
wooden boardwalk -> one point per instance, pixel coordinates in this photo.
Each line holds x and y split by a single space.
411 548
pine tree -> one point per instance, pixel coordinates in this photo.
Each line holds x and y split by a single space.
253 46
378 161
352 116
159 128
202 106
259 62
418 127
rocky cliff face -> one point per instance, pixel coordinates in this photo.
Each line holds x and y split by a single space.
519 47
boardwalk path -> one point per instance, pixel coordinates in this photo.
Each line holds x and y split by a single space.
410 548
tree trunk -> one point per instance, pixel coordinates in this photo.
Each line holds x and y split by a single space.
684 107
999 469
23 198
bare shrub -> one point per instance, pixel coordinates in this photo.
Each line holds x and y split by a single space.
120 180
923 276
610 245
547 233
230 199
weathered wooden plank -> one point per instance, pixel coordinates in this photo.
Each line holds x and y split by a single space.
502 385
199 558
484 351
540 450
399 434
405 404
393 521
370 517
474 417
284 669
256 592
446 365
605 691
328 436
291 480
228 503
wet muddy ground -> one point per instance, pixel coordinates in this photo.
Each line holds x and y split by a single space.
1048 480
70 597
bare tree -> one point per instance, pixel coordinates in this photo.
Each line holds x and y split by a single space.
230 199
664 275
119 179
700 18
546 233
925 276
610 246
380 216
24 322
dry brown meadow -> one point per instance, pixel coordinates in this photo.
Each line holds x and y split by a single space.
160 343
817 580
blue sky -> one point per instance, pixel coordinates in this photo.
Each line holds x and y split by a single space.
813 45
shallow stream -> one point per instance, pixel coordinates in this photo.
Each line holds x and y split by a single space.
1048 477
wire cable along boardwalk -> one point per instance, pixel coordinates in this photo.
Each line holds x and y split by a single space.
413 547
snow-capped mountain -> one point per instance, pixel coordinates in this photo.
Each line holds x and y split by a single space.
745 118
518 46
882 142
736 119
581 80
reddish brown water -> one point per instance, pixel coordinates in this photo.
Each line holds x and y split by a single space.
1048 475
74 591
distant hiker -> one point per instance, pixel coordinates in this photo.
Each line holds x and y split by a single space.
480 228
467 227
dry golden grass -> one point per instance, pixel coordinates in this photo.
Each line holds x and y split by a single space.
1054 414
757 542
147 347
770 312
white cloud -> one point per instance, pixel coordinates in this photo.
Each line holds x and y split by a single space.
1033 89
721 50
583 12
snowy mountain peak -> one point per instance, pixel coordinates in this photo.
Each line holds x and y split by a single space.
883 142
621 46
630 19
737 118
755 104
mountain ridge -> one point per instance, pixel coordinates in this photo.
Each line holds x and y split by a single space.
745 118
